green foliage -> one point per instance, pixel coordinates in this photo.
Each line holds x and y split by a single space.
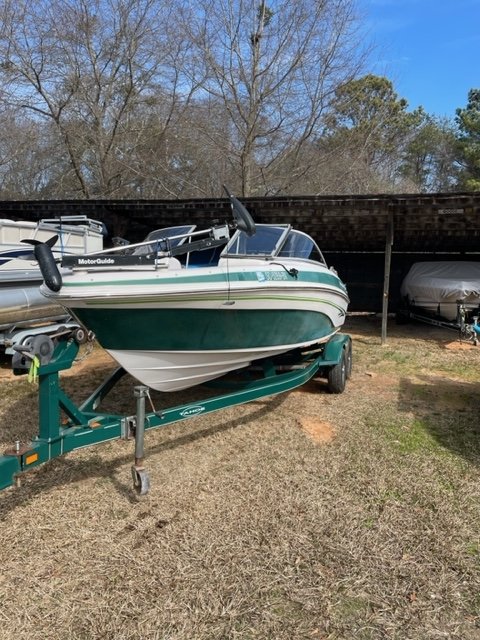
370 99
265 14
371 122
431 157
387 144
468 121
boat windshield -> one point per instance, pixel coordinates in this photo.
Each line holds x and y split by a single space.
299 245
275 241
265 242
164 239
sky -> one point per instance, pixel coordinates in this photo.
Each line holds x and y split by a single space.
429 49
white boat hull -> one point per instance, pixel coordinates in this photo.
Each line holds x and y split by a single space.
176 370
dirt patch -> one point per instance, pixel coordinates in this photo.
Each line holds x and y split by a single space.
460 346
6 373
319 431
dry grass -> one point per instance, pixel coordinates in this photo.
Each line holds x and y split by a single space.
303 516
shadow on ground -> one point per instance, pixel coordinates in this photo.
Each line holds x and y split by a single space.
16 423
368 326
447 409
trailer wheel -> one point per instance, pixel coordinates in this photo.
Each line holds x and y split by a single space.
141 481
337 375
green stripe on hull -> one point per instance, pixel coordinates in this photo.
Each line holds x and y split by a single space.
260 275
202 329
131 301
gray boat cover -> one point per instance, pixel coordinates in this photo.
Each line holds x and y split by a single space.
439 286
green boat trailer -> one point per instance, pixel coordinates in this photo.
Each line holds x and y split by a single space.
86 426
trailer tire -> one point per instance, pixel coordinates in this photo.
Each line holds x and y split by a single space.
337 375
141 481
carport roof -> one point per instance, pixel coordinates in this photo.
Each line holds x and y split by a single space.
435 223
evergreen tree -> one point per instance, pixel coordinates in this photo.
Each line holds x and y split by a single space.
468 121
431 157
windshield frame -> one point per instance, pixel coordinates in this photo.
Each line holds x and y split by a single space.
286 232
308 238
282 228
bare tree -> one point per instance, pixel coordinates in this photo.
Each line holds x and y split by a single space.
89 67
274 66
22 163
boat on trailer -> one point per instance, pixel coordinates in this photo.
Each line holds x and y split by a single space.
182 308
437 288
445 294
187 306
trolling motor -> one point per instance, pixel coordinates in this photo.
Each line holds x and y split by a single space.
46 261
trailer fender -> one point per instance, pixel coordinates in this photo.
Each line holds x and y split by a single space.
338 373
334 348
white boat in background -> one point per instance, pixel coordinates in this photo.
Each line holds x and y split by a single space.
76 234
438 288
188 306
21 302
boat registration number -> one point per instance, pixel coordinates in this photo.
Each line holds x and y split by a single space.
263 276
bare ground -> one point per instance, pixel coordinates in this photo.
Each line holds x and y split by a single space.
307 515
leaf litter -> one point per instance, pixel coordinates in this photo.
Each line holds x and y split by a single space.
304 515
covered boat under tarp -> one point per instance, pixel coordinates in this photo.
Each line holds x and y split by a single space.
439 287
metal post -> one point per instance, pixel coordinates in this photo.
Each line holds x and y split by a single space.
386 278
140 393
141 480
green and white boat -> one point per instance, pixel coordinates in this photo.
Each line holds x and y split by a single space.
188 306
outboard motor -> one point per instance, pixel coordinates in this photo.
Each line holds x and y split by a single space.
46 261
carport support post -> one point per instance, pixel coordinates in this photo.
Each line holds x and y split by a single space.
386 275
